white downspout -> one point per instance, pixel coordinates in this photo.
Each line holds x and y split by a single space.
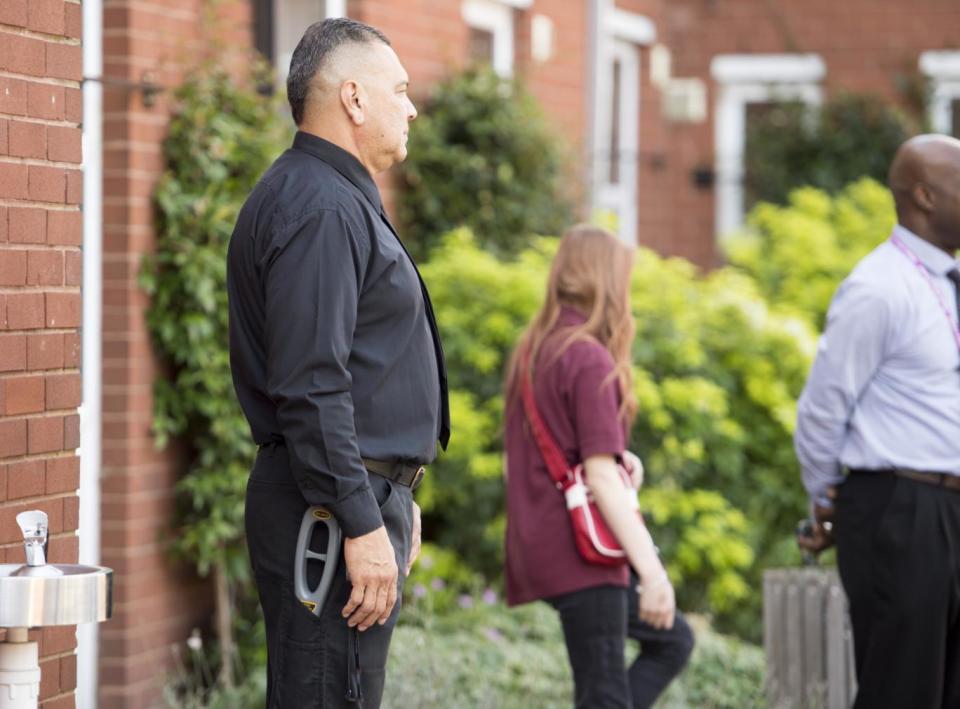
91 367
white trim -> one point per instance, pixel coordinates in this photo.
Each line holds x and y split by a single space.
290 19
943 70
746 79
518 4
336 8
90 368
767 68
497 18
630 26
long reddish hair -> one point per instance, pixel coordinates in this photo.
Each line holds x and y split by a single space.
591 272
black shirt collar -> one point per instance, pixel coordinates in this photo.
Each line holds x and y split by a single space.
341 161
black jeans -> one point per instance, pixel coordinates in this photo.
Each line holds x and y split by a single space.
596 623
307 654
898 553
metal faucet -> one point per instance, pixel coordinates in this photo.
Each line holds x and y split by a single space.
34 526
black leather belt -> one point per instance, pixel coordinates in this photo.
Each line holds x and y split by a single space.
947 481
402 473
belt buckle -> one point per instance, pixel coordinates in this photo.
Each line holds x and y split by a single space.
418 477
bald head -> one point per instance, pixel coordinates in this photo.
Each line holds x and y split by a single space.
925 181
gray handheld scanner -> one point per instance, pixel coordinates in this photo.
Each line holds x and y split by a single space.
311 597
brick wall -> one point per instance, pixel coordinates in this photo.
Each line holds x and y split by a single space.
40 262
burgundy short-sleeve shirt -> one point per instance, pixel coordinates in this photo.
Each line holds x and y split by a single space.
579 403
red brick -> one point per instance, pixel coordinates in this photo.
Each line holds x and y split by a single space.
73 268
74 186
64 144
13 12
57 639
4 225
21 395
25 479
63 474
4 136
71 432
73 20
28 225
45 268
13 353
64 550
74 105
46 16
49 678
3 311
45 435
28 140
47 184
13 438
65 61
46 101
71 513
63 391
63 309
13 267
45 351
3 490
22 55
13 96
71 349
65 228
13 181
25 311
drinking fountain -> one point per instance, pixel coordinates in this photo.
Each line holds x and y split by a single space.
37 594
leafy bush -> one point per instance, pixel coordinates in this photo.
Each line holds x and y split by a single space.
223 135
792 145
481 155
798 253
718 373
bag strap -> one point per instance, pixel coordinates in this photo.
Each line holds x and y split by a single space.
552 455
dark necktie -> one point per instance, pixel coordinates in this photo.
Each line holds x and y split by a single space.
954 276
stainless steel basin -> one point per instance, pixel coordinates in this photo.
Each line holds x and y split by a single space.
54 594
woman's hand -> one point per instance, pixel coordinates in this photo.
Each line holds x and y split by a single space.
634 466
657 603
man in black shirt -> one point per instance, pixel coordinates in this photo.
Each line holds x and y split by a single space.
337 364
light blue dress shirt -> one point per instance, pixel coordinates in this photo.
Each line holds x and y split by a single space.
884 390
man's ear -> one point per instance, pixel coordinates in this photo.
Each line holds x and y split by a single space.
353 101
923 196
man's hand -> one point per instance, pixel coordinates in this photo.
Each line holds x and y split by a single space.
634 466
372 569
415 542
821 536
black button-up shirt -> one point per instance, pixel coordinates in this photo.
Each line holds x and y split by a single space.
333 345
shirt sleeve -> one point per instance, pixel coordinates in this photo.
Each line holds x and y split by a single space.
851 350
596 403
312 286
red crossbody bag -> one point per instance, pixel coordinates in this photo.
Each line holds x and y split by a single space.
594 540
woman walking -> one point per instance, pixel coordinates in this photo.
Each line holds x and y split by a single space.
575 358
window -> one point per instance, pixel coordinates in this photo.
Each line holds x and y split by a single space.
289 19
943 71
747 80
492 31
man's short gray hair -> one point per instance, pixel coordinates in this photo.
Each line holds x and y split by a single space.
318 43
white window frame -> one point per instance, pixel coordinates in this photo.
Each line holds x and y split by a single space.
744 79
620 36
942 68
495 17
331 8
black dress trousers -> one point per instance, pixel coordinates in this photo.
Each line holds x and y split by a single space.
898 552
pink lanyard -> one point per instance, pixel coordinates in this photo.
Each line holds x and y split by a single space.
936 291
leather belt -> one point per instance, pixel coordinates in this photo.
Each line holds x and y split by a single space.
946 481
402 473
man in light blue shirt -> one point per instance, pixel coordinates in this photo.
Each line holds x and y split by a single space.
883 403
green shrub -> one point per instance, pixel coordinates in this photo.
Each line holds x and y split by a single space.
792 145
798 253
481 155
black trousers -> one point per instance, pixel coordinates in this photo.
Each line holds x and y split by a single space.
596 623
306 654
898 552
